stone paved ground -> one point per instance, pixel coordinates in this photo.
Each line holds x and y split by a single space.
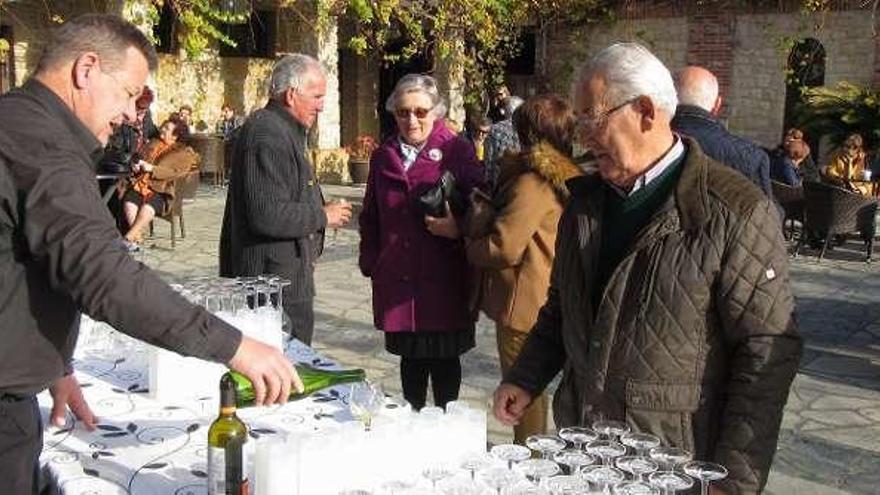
830 441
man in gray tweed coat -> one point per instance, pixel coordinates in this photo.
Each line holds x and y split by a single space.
275 213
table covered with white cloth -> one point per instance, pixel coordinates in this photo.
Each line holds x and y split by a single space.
145 446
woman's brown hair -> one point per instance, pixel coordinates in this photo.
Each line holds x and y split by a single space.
547 118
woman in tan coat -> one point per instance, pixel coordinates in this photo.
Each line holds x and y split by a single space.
511 237
151 187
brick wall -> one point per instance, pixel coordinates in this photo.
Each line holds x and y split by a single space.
710 44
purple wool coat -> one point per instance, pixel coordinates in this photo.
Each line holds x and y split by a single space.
420 281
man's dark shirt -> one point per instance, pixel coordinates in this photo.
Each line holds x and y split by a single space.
59 254
718 143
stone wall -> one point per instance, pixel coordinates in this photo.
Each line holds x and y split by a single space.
568 49
757 97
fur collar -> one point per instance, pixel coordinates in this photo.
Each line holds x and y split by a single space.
544 160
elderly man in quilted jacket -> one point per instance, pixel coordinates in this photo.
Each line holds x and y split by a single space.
669 305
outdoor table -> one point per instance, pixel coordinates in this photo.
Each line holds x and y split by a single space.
143 446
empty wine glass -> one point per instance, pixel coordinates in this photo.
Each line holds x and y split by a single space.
636 465
573 459
568 485
640 442
436 473
578 436
498 478
459 485
510 453
537 469
635 488
365 400
670 481
669 457
394 487
475 461
602 476
545 444
606 449
610 428
526 488
706 472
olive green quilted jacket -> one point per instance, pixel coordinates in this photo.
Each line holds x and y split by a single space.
694 338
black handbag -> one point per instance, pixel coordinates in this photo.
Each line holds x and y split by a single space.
433 201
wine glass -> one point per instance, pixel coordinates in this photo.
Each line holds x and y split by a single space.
640 442
526 488
706 472
436 473
636 465
475 461
670 481
498 478
635 488
669 457
537 469
578 435
606 449
610 428
573 459
458 485
568 485
510 453
603 476
365 400
395 486
545 444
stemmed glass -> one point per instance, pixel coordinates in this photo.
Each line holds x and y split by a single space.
437 473
669 457
640 442
578 435
475 461
545 444
568 485
636 465
611 429
537 469
573 459
510 453
635 488
526 488
603 476
365 400
606 449
499 478
670 481
706 472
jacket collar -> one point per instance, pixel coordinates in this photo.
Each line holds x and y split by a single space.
691 192
81 134
692 113
543 159
277 108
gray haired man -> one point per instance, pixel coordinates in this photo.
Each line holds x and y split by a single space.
275 213
669 305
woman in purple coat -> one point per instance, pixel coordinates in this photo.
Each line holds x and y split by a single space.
417 263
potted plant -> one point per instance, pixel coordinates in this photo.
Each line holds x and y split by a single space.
359 152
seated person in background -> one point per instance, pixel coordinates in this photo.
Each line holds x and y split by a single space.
151 187
791 162
228 122
848 165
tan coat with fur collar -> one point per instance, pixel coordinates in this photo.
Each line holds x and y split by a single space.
511 241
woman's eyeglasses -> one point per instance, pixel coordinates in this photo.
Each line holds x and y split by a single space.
404 113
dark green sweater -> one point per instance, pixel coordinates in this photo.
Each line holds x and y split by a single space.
623 218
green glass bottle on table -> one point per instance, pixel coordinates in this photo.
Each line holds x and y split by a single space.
313 379
227 437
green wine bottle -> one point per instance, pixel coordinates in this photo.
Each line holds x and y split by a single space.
313 379
227 436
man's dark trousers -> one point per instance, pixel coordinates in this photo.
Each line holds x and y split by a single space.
21 440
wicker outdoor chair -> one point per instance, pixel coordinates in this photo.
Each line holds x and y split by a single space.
830 210
791 199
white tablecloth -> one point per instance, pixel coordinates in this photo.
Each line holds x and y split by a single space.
144 446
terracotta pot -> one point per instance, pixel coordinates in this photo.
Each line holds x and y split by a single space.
358 170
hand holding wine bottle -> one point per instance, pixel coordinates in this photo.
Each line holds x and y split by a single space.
268 369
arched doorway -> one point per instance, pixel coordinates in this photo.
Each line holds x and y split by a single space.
806 69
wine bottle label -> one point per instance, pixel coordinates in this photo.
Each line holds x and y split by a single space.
226 469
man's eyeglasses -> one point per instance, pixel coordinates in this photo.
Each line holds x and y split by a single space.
588 122
404 113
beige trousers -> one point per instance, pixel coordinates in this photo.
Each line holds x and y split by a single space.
534 421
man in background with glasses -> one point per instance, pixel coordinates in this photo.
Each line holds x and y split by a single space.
60 252
669 305
275 214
